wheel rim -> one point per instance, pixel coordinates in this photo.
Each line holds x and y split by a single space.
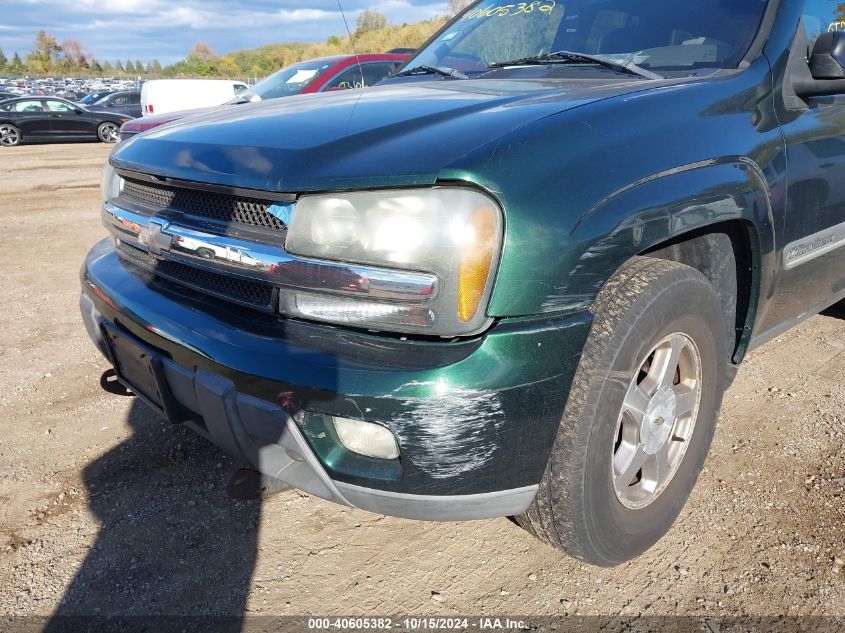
9 136
108 133
657 421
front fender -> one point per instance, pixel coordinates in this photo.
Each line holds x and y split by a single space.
586 189
667 206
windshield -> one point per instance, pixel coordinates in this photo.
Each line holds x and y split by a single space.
285 82
654 34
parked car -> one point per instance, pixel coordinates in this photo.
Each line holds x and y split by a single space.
340 72
126 102
50 119
161 96
568 229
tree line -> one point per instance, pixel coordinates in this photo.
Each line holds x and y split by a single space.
71 58
373 34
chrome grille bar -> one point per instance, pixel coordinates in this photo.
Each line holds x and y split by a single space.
264 262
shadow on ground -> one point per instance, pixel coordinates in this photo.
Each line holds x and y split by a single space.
171 541
837 311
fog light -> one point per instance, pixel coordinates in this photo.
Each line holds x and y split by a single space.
366 438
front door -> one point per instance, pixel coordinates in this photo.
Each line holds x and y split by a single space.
68 121
813 264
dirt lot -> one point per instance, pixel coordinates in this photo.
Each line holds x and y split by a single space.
106 509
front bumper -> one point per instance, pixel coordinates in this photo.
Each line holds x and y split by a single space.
475 419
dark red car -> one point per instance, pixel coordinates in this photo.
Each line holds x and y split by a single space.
339 72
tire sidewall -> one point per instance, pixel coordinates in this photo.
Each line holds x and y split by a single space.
620 533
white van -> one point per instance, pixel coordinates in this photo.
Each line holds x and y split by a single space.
170 95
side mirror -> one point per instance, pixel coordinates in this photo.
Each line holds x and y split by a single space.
826 74
78 111
828 58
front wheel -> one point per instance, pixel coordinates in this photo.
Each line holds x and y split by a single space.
640 416
9 135
108 132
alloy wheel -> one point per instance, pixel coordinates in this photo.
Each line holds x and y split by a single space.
9 136
657 421
109 133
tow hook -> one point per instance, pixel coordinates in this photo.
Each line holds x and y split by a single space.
110 383
250 485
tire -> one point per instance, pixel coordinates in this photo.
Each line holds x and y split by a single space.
9 135
584 505
108 132
205 253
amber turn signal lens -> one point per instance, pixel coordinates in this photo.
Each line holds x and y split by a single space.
478 244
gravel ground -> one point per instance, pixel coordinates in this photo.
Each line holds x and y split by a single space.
105 509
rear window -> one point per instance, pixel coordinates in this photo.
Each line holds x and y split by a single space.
28 106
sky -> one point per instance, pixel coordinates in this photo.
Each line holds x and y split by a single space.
166 30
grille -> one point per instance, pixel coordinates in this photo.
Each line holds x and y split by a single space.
134 251
252 293
218 206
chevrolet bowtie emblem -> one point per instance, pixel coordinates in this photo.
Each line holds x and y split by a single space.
154 238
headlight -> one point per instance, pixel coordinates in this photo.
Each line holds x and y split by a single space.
454 233
110 183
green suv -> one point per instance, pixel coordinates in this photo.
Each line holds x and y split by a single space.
513 280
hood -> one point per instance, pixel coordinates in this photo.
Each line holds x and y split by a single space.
383 136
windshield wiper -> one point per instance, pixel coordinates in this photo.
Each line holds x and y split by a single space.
568 57
432 70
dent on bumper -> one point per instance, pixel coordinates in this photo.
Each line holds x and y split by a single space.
263 435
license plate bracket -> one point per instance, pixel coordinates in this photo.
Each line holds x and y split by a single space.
141 370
